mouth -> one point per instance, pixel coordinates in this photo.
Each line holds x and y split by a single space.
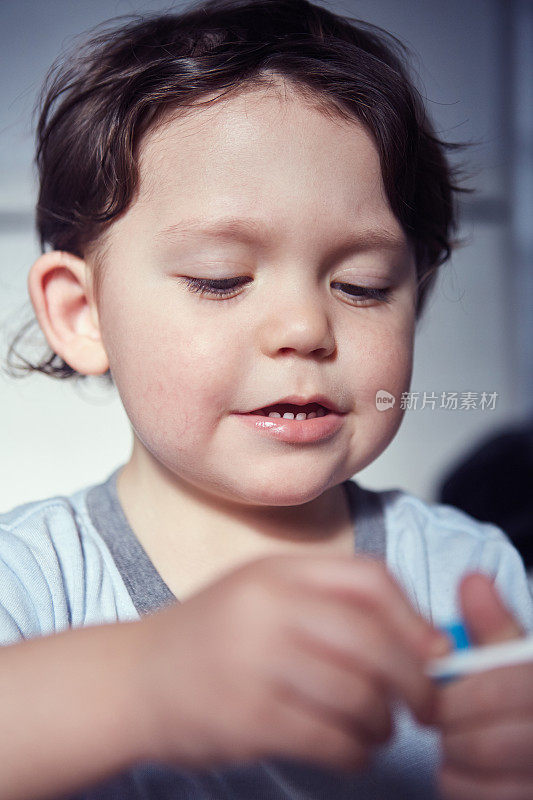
295 423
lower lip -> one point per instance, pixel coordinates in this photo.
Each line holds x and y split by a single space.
296 431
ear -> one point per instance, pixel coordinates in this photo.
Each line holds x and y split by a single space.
61 294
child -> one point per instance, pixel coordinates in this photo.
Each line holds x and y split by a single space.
243 207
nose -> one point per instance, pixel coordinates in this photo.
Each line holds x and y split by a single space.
297 321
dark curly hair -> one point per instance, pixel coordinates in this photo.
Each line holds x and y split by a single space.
96 105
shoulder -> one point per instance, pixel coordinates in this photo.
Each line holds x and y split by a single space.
25 521
33 534
408 516
34 566
413 524
430 546
54 567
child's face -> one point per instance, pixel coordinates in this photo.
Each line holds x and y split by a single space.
185 363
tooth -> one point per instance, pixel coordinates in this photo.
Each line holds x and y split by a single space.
300 416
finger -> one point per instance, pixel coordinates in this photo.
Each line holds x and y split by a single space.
486 616
301 733
458 785
499 749
360 640
477 698
350 698
365 581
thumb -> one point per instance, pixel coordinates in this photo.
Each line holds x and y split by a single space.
487 618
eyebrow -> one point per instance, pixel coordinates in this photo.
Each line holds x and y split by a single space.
251 231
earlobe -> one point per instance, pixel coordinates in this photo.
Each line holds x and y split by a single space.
66 313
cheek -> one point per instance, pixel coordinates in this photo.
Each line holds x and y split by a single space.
167 371
384 361
390 367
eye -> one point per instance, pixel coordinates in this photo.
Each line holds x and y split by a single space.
365 293
221 287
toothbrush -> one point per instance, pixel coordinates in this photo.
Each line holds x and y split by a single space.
466 659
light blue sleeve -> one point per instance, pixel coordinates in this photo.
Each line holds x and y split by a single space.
502 560
33 600
430 547
56 572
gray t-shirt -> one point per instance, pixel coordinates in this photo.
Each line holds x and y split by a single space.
75 561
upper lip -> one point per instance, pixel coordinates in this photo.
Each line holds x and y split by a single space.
299 400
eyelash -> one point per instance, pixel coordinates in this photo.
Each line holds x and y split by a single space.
204 286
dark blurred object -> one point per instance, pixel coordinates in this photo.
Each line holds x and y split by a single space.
495 484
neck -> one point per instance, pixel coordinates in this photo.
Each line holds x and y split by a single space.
191 535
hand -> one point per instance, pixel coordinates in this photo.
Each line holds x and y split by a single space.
290 656
486 719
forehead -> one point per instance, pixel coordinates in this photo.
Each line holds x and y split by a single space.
269 151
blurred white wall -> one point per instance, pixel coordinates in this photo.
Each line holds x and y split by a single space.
55 438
